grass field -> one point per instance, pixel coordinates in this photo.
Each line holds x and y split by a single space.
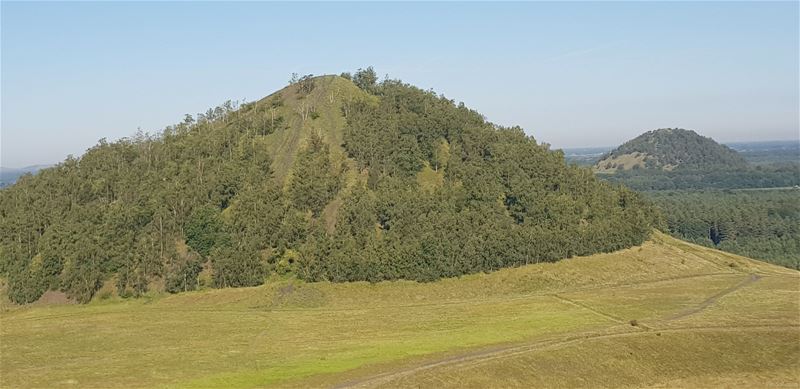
702 318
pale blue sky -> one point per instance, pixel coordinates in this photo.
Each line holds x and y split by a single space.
571 74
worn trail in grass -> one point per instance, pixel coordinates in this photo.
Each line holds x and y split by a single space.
510 328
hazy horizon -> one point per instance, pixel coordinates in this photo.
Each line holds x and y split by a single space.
572 75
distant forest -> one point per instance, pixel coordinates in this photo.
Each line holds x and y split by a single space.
773 175
339 178
762 224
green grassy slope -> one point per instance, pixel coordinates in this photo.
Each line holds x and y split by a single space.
326 99
704 317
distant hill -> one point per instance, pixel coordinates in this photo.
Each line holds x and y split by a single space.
669 149
338 178
737 201
8 176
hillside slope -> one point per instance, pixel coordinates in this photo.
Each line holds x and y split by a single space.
337 178
669 149
703 318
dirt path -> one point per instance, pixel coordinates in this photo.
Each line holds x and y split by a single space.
508 351
505 352
713 299
702 306
574 303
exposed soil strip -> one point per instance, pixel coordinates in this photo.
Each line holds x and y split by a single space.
588 308
496 353
713 299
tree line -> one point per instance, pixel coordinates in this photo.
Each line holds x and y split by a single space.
775 175
762 224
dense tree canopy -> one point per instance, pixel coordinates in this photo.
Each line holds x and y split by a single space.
325 180
775 175
762 224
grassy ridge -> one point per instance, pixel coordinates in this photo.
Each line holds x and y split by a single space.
326 99
294 334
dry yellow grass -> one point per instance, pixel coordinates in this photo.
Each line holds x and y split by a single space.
621 162
711 357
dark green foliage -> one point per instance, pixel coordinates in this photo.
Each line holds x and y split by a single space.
763 224
25 288
762 176
359 216
365 79
314 179
119 210
82 279
503 199
204 230
183 277
237 266
432 190
293 230
31 282
256 217
395 136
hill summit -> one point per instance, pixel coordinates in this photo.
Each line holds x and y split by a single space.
669 149
338 178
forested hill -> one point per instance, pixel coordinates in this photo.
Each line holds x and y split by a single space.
334 178
669 149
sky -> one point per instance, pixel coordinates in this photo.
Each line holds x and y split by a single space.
571 74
